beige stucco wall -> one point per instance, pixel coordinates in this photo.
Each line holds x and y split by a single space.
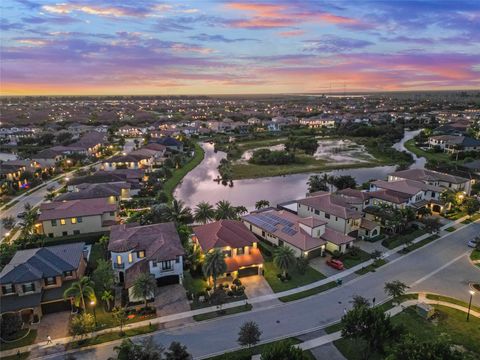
89 224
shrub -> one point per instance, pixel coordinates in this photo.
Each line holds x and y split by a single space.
10 324
237 282
302 265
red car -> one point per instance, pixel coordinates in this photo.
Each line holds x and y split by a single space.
336 264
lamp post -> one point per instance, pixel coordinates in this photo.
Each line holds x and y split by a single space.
470 304
94 313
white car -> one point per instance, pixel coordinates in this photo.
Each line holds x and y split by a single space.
473 243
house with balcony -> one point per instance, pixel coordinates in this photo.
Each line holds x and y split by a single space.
33 282
238 244
153 249
454 144
75 217
308 237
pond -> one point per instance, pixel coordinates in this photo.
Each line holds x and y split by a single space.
199 186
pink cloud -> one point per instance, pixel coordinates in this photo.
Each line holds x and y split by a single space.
292 33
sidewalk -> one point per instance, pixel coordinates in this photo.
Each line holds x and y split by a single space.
187 314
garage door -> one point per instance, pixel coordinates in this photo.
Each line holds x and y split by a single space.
248 271
56 306
314 253
168 280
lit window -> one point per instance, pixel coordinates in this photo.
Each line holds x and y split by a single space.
130 258
62 221
240 251
141 254
119 260
73 220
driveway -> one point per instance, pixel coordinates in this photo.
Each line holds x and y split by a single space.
256 285
54 325
172 299
320 264
370 247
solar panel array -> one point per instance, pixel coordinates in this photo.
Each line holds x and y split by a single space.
278 219
289 231
269 222
256 220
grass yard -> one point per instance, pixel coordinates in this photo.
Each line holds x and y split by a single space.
429 155
475 255
27 340
372 267
350 260
307 293
450 229
449 321
225 312
400 239
96 254
105 319
179 174
247 353
193 284
297 279
451 300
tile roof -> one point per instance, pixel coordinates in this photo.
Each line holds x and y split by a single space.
92 191
336 237
332 204
34 264
74 208
428 175
223 233
406 186
368 224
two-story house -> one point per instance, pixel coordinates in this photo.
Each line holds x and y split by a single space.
153 249
237 243
113 192
75 217
307 237
33 282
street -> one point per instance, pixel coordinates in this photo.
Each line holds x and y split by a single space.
441 266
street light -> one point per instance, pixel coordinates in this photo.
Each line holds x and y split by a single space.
470 303
94 313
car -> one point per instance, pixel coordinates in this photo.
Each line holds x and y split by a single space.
21 215
473 243
336 264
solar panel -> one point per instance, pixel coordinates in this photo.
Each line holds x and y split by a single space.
289 231
262 224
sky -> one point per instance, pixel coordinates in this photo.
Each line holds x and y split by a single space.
137 47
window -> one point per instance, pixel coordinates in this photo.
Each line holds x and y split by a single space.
68 273
317 212
8 289
177 259
119 260
50 235
73 220
29 287
64 233
141 254
79 219
62 222
112 213
240 251
50 281
54 222
227 253
154 264
327 216
167 265
130 258
76 232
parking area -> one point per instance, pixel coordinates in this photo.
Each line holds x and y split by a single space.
320 264
171 299
255 286
54 325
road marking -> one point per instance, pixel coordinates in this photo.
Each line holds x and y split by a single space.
439 269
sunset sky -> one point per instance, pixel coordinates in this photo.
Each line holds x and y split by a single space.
220 47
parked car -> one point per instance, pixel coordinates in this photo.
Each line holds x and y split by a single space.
21 215
336 264
473 243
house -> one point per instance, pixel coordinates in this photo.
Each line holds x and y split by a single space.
113 192
318 122
129 131
445 181
130 161
171 143
75 217
153 249
307 237
473 166
237 243
454 144
34 281
51 155
91 142
132 176
273 126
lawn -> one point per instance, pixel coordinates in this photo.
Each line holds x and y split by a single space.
297 279
247 353
307 293
448 321
96 254
450 229
194 284
349 260
372 267
451 300
105 319
420 243
179 174
440 157
399 239
225 312
475 255
27 340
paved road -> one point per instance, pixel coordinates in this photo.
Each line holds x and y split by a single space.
424 268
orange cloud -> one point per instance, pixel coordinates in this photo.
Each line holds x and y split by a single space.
292 33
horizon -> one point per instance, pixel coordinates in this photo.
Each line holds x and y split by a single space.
215 48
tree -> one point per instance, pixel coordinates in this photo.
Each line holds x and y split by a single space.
241 210
225 211
147 349
214 265
10 324
8 222
119 317
144 287
103 241
103 276
410 348
344 182
194 257
471 206
316 183
424 211
80 290
260 204
359 301
178 213
376 255
432 225
371 325
64 138
284 258
395 289
107 297
283 350
82 324
204 212
302 265
249 334
177 351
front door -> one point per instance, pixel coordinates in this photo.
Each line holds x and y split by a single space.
121 277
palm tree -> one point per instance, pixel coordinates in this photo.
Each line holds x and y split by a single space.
214 265
107 297
424 211
284 258
315 183
204 212
80 290
178 213
260 204
225 210
8 222
194 256
143 287
241 210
